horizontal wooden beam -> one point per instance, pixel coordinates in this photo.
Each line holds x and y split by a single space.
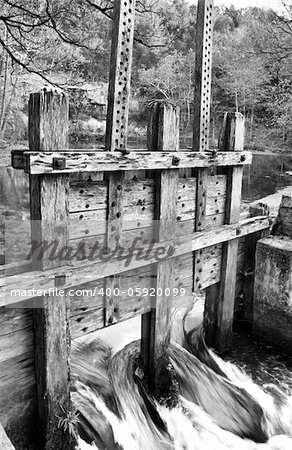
37 163
90 271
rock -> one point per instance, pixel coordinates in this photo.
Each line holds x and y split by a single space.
272 314
283 223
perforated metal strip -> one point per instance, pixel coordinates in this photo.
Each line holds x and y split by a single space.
203 74
120 74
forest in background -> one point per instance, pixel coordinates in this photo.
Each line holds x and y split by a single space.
67 44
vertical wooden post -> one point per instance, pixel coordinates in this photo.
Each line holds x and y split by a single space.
260 209
116 135
232 140
155 333
48 130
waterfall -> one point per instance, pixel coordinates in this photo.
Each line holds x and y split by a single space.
219 408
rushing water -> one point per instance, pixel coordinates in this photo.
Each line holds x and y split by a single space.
219 407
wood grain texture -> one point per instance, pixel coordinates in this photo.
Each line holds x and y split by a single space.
114 239
38 163
156 325
48 129
163 128
87 271
233 133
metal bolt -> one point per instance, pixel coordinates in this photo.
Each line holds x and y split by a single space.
242 158
175 161
118 215
59 163
119 187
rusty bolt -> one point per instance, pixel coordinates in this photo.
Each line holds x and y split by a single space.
242 158
118 215
59 163
126 151
119 187
110 320
175 161
238 231
113 204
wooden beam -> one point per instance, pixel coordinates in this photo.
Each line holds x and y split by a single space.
38 163
114 240
156 325
20 287
48 129
233 132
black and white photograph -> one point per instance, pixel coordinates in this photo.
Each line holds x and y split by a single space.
145 224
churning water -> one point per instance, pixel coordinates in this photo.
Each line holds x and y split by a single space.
220 407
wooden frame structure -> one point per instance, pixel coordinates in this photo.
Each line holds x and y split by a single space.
198 218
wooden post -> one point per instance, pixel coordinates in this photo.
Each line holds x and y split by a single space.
48 130
116 136
232 140
260 209
155 334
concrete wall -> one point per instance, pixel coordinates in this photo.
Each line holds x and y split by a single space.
273 291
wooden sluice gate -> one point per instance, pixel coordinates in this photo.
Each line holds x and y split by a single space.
103 199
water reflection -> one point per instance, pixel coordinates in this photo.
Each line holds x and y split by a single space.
266 175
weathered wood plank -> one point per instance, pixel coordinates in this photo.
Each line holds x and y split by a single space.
138 210
114 239
156 325
94 270
42 162
233 141
92 196
48 129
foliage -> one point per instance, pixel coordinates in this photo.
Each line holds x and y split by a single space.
68 43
